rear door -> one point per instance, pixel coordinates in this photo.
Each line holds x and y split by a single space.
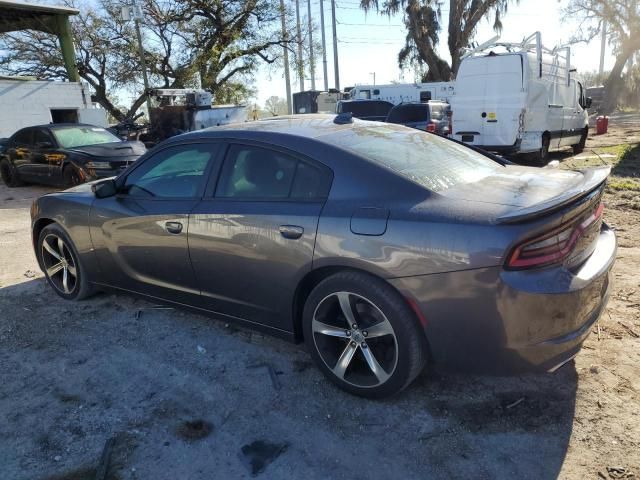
488 100
504 99
252 241
140 235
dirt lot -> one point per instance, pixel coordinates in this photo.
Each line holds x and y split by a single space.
184 396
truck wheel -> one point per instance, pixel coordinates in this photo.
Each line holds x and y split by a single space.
579 148
542 157
9 174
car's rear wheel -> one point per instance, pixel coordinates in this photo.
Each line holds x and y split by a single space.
363 335
70 176
9 175
61 264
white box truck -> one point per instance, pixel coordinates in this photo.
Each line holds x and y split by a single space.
25 102
397 93
519 98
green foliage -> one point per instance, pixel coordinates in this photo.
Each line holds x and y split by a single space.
422 19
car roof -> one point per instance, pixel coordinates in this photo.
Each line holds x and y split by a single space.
304 125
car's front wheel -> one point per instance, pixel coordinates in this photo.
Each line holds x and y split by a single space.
9 175
70 176
363 335
61 264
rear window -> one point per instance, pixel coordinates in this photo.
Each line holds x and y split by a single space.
366 108
408 114
428 160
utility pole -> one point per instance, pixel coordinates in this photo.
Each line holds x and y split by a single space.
374 78
299 40
312 62
137 16
335 44
324 48
603 46
285 38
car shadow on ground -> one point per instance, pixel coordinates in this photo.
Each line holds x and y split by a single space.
77 374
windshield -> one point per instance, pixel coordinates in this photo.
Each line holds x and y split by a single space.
429 160
81 136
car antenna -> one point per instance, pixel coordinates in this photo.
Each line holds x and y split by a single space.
343 118
601 160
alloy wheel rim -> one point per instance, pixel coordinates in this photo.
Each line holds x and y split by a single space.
59 264
355 339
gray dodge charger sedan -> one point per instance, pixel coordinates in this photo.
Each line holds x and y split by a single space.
383 248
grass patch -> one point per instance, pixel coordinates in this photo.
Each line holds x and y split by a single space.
625 163
622 183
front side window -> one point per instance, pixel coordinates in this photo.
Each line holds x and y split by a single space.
259 173
175 172
41 137
82 136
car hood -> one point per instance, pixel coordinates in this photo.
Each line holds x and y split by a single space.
111 150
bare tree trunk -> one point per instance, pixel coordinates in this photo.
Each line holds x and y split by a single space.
614 84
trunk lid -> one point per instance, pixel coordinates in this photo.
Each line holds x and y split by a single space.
525 193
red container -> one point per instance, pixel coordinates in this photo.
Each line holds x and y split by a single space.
602 125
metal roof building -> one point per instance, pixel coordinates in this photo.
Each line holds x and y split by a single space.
18 15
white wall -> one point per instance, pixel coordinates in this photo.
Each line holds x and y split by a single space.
26 103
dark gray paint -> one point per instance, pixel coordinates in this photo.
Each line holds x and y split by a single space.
443 252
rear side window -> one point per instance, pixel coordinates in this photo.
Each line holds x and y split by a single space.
433 162
258 173
437 112
23 137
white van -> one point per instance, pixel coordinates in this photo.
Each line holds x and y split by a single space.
519 98
397 93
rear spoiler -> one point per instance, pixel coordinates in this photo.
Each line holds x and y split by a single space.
594 179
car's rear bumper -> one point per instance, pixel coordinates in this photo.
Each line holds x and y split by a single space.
496 320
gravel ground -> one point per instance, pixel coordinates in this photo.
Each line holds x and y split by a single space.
185 396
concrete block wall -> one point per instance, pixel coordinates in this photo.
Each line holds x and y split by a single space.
26 103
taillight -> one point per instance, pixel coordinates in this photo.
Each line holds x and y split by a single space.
431 127
553 246
450 123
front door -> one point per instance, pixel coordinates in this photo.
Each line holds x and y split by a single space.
140 235
252 242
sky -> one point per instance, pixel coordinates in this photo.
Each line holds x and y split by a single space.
370 43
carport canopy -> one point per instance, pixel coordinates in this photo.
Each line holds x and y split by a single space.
17 15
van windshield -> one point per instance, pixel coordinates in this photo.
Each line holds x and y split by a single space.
428 160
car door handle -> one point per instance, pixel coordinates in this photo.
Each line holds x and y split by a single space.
292 232
173 227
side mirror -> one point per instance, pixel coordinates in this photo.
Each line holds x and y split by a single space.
588 102
104 189
44 145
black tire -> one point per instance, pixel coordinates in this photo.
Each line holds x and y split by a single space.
542 156
401 352
77 286
9 174
579 148
70 176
